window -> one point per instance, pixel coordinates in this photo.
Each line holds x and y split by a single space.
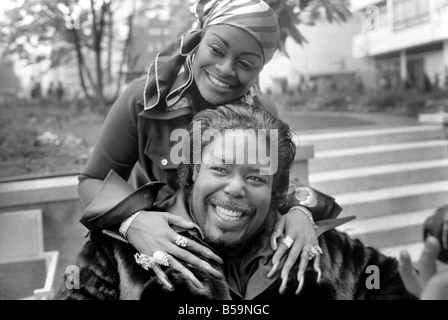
408 13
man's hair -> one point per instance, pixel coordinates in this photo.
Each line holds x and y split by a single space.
243 117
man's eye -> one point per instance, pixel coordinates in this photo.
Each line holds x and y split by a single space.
218 169
256 179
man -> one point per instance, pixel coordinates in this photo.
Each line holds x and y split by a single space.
232 194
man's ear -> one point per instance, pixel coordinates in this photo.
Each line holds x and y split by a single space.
196 169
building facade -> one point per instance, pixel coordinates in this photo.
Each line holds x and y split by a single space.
325 61
405 40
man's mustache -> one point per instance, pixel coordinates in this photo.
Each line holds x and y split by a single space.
230 205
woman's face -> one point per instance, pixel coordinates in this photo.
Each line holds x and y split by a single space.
227 63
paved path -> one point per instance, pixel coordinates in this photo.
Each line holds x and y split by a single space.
321 121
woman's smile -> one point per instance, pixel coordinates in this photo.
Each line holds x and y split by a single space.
220 83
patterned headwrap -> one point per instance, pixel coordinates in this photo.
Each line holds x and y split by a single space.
171 73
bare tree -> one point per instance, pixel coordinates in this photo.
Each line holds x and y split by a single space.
94 41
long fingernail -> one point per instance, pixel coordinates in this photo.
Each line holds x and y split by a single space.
301 281
168 285
197 283
319 275
272 272
213 256
213 271
283 286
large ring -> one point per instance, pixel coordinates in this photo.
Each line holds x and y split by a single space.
181 241
288 241
145 261
309 254
161 258
316 250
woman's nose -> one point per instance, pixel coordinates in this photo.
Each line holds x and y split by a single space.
226 67
235 187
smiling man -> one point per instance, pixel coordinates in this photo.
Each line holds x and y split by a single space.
232 200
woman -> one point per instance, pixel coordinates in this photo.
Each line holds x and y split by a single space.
216 63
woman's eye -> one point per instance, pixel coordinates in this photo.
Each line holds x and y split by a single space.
217 50
246 65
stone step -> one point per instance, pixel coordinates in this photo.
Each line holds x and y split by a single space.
389 231
377 177
351 139
49 190
378 155
414 250
384 202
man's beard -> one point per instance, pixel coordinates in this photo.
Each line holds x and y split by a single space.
224 246
216 243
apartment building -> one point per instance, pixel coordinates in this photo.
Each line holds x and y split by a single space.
406 41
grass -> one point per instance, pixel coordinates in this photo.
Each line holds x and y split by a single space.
45 138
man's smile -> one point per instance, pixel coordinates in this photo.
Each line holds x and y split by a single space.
228 215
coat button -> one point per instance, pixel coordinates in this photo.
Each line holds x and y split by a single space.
164 162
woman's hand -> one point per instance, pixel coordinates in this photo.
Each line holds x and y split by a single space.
151 232
428 284
296 225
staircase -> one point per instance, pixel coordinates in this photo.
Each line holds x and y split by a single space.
392 179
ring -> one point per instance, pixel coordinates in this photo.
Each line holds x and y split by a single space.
288 241
161 258
316 250
181 241
310 255
145 261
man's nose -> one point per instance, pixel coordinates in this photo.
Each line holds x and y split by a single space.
235 187
226 67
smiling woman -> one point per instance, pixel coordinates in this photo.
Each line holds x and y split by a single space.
226 66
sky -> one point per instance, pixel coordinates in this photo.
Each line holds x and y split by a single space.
5 4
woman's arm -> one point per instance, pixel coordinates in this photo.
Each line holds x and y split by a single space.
117 145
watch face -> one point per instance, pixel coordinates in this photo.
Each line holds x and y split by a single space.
306 196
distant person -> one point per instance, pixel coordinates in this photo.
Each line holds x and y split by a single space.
36 91
427 85
50 91
59 92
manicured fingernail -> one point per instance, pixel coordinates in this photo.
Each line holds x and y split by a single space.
271 273
283 286
301 281
168 285
197 283
213 271
213 256
319 275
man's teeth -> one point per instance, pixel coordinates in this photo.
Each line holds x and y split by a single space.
228 215
219 83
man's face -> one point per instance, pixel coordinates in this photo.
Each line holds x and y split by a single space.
230 200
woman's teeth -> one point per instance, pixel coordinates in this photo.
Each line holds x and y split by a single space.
228 215
219 83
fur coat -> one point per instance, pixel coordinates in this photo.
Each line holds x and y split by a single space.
108 272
